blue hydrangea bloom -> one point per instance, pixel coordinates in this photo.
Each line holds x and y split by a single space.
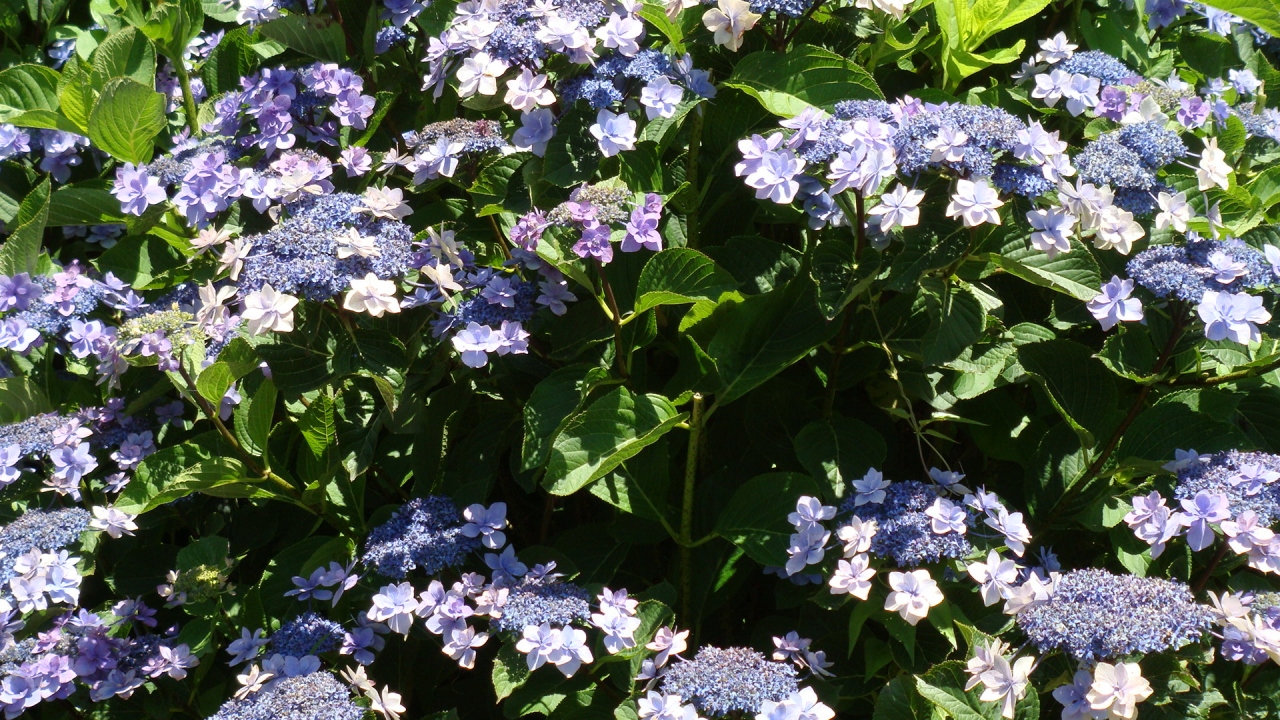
1128 159
170 169
790 8
33 435
1106 161
307 634
48 531
479 309
854 109
1095 63
1215 476
318 696
299 256
537 601
905 534
724 681
49 319
425 533
476 136
606 84
1096 615
1183 272
1028 182
992 132
1154 144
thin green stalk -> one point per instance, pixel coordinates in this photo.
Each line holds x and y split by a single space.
691 176
188 99
1233 376
245 456
615 318
696 419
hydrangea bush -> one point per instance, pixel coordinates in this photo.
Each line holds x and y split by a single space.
639 359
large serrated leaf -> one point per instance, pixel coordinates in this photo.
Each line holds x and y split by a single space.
838 451
318 36
763 335
805 76
957 322
21 251
553 401
86 203
750 520
126 120
613 429
126 53
1074 273
677 276
1080 388
28 87
254 418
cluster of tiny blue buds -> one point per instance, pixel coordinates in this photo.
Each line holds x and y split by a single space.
44 530
299 256
1095 63
425 533
536 601
307 634
905 533
1095 615
1220 475
317 696
724 681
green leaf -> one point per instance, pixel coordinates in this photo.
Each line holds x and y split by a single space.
656 14
572 155
490 187
553 401
214 381
957 320
254 418
838 278
212 550
20 253
318 426
679 275
640 486
763 335
1079 387
219 476
838 451
928 247
989 17
805 76
126 53
1130 353
86 203
20 398
317 36
173 25
1168 426
751 519
898 700
510 671
126 120
228 62
45 120
613 429
76 94
28 87
1263 13
1074 273
140 259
